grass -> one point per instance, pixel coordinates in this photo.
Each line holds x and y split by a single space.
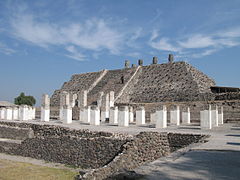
11 170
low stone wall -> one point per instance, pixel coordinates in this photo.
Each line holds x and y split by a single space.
107 154
84 153
15 132
57 131
81 148
177 140
145 147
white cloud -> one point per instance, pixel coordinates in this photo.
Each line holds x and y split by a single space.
134 54
93 34
163 44
230 33
197 41
5 49
204 53
74 53
204 44
154 35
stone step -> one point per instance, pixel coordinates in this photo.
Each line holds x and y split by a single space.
10 132
7 144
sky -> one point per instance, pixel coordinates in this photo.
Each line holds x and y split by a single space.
43 43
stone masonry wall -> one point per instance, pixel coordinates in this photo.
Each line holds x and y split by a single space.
145 147
81 148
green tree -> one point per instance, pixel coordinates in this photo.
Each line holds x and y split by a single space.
27 100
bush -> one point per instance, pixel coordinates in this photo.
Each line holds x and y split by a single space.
27 100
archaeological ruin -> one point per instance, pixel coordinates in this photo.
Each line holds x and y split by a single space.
111 121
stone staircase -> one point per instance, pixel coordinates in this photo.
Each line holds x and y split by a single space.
12 137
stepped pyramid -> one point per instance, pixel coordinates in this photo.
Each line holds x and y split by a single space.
173 81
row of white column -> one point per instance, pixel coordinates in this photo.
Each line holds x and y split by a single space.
124 115
22 113
211 117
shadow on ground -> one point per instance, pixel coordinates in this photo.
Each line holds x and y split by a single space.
193 165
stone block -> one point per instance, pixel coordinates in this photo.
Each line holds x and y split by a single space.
23 116
175 116
113 116
140 116
123 116
161 117
186 116
220 116
67 115
131 114
8 113
95 116
15 113
215 117
206 118
45 114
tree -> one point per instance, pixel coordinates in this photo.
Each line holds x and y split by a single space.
27 100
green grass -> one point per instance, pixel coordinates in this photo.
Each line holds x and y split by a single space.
10 170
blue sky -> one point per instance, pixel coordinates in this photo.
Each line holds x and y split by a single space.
44 42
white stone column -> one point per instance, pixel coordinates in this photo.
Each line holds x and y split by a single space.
82 99
220 116
2 113
67 114
67 109
206 118
105 108
85 114
140 116
61 113
29 112
175 116
8 113
62 94
73 98
131 114
15 113
45 108
113 117
99 99
95 116
186 116
123 116
215 116
111 99
33 113
161 117
153 117
23 113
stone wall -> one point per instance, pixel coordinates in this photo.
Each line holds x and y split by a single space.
145 147
15 132
177 140
81 148
107 154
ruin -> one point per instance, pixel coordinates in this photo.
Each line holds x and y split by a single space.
143 101
171 83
